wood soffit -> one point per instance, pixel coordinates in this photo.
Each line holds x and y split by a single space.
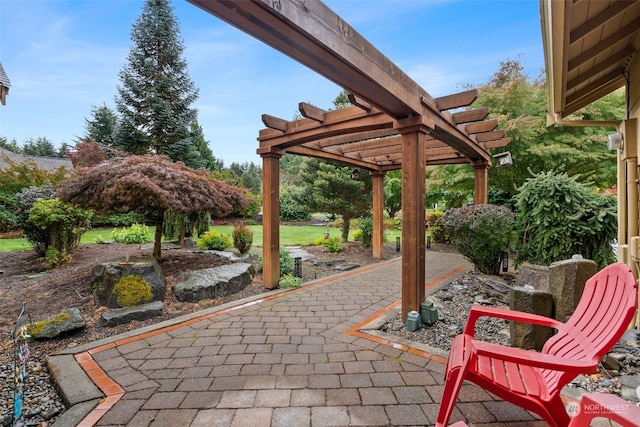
385 101
589 46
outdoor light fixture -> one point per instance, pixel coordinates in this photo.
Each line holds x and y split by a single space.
355 175
503 158
615 141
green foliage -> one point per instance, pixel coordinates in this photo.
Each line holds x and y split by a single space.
17 176
289 281
366 228
8 205
132 290
325 186
136 233
435 227
180 225
558 217
25 199
393 192
253 207
242 238
101 127
286 262
214 240
40 146
482 233
122 219
332 244
291 210
61 227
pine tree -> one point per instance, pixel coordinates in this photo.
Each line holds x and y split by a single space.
102 126
156 93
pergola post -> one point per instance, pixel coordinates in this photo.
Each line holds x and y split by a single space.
271 219
481 182
378 214
413 215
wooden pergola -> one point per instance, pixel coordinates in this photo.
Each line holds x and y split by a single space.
393 124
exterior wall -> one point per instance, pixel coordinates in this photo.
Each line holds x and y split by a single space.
634 88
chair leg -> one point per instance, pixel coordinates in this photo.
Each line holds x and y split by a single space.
452 385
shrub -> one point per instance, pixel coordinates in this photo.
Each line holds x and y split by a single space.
332 244
8 205
289 281
214 240
392 224
242 238
357 235
132 290
482 233
366 227
286 263
319 240
61 226
435 227
24 201
558 217
122 219
291 211
136 233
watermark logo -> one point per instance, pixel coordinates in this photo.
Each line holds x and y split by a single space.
573 409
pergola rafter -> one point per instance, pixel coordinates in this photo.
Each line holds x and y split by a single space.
368 138
392 124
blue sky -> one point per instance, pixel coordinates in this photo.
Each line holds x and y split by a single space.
63 57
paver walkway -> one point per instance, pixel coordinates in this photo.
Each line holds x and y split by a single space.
293 358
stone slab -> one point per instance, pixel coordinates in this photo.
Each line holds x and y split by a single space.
119 316
213 282
73 384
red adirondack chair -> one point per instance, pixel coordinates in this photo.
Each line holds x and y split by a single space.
533 380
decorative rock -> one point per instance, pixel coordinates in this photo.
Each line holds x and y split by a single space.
105 276
525 299
347 267
566 283
213 282
67 321
610 363
328 262
125 315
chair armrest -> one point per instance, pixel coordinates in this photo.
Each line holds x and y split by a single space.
532 358
478 311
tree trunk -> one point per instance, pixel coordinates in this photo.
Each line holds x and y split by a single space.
345 228
157 246
181 236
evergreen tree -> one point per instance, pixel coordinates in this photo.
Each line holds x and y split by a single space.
102 126
10 145
156 93
201 146
40 146
326 186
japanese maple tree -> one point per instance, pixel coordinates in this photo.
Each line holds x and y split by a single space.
151 184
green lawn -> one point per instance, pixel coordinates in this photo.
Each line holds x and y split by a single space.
290 235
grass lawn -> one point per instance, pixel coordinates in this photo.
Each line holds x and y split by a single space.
290 235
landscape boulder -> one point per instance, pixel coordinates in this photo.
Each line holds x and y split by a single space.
119 316
105 277
213 282
60 324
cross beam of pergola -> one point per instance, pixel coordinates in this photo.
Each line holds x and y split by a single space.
393 124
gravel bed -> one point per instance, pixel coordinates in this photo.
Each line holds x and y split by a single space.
453 302
41 403
619 370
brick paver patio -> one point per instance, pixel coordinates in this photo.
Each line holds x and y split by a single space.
295 358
